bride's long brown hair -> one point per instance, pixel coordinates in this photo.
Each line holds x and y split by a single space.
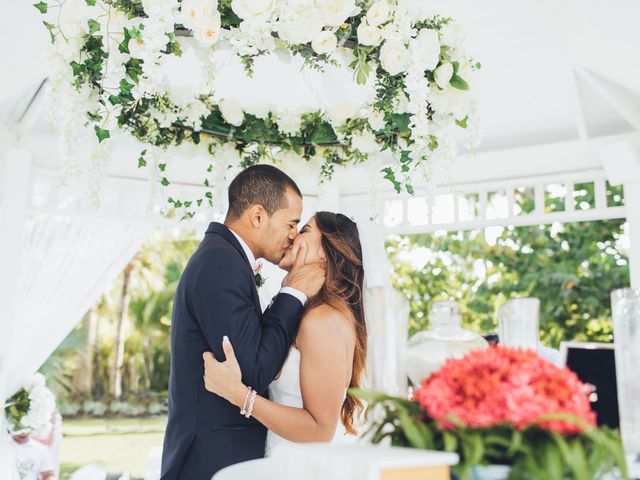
343 290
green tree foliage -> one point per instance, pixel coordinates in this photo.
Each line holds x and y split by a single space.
571 268
154 278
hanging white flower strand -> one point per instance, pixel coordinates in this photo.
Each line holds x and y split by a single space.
420 69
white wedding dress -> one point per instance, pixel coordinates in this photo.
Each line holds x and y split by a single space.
286 390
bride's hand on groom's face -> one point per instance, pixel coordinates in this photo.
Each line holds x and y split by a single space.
224 378
308 278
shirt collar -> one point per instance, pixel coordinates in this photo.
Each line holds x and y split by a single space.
247 251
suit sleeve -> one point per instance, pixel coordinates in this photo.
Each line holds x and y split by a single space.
223 305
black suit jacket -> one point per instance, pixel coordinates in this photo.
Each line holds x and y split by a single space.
217 296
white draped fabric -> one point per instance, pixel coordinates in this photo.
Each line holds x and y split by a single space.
63 257
386 310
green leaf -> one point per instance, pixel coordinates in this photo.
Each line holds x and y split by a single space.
41 6
125 87
323 134
141 160
162 167
458 82
50 27
91 3
410 189
134 69
401 122
115 100
411 430
164 182
463 123
101 133
123 46
94 26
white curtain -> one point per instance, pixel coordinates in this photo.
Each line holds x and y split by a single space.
69 253
386 310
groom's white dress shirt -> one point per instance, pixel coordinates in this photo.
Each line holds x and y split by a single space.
254 264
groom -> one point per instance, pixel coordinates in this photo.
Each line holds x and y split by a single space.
217 296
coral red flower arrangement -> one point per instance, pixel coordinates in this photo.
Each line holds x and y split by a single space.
500 385
502 406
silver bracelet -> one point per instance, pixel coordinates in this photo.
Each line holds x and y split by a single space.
243 411
254 394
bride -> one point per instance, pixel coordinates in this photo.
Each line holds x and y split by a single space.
328 356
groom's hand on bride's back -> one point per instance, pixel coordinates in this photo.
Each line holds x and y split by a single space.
308 278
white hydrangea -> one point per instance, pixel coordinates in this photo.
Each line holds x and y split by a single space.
193 114
365 142
231 112
289 123
454 35
340 113
450 101
425 49
251 38
376 120
258 109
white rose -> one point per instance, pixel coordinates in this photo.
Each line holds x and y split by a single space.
257 11
376 120
378 13
324 42
369 35
425 49
334 12
289 123
231 112
208 33
394 57
158 8
195 13
299 25
443 74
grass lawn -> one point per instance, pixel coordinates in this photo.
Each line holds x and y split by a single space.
117 445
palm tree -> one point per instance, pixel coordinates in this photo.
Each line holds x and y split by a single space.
121 330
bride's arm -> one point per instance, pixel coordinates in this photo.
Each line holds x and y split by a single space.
325 341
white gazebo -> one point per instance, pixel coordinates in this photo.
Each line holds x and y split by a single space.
559 97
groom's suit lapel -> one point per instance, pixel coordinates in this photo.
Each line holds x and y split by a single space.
224 232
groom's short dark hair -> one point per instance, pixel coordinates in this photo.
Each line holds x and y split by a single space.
259 185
